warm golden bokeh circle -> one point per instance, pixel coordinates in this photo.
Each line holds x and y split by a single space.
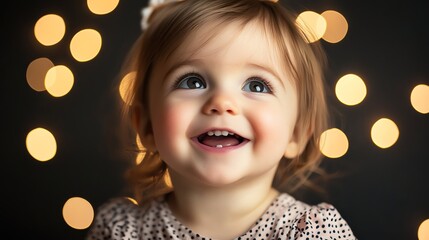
384 133
85 45
333 143
78 213
125 86
350 89
312 25
36 73
59 80
336 27
420 98
49 29
423 231
41 144
102 7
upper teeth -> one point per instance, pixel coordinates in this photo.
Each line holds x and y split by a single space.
219 133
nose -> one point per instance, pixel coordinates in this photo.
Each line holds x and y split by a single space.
221 103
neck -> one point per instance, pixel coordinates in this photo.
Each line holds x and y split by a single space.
233 208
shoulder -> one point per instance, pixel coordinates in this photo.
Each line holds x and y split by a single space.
116 217
325 220
321 221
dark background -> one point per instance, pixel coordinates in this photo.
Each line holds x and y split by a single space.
383 193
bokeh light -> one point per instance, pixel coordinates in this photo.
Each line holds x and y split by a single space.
333 143
78 213
132 200
167 179
336 27
141 154
420 98
36 73
423 231
384 133
312 24
125 86
350 89
139 158
41 144
101 7
85 45
59 80
49 29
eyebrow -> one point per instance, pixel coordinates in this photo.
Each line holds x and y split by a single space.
180 64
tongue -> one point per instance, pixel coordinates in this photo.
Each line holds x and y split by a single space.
224 141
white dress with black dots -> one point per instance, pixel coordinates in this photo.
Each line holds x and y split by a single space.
285 218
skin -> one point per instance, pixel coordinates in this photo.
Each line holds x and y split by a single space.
224 188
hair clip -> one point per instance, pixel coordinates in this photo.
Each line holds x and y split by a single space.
147 11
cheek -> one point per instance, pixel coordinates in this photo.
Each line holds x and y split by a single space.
170 123
274 124
167 122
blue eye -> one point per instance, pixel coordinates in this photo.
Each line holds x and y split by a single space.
191 81
256 85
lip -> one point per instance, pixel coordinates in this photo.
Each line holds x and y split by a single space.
206 148
225 149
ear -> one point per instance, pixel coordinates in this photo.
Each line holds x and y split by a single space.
141 123
298 142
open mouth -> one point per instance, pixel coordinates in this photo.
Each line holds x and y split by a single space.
220 139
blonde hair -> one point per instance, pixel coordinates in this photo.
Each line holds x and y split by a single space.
169 26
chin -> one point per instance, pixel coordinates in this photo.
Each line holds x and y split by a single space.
219 180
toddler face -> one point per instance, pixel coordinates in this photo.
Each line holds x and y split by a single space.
223 111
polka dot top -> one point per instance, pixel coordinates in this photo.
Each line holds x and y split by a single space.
285 218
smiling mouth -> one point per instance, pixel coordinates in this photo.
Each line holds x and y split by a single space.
220 139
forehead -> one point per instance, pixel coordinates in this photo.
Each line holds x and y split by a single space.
233 42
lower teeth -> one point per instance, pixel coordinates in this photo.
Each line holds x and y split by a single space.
219 146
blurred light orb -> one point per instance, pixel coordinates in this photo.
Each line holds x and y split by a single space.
336 27
141 151
85 45
132 200
350 89
139 157
101 7
312 24
36 73
49 29
423 231
384 133
41 144
59 80
333 143
139 143
420 98
167 179
125 86
78 213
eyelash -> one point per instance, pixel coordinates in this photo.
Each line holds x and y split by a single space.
193 73
182 77
263 80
